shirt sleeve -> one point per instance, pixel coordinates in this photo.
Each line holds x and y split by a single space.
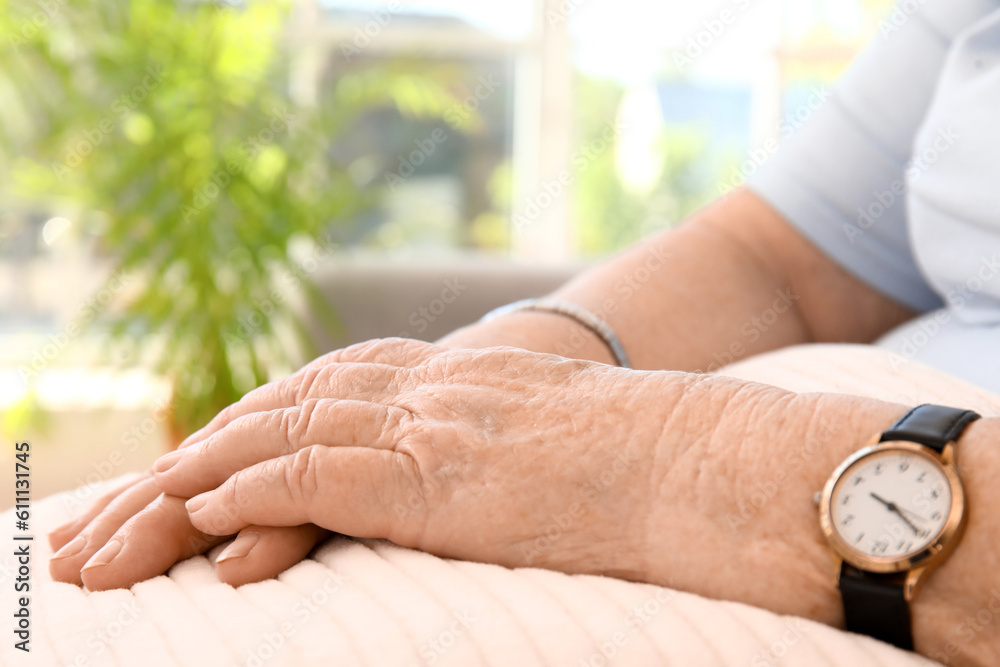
841 177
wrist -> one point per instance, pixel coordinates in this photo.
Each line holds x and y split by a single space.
956 616
740 466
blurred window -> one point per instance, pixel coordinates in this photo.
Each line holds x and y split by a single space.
575 126
612 118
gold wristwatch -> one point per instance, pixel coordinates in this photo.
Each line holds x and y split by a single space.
891 513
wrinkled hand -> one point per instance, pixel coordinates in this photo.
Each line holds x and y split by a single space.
496 455
501 455
158 526
523 459
511 457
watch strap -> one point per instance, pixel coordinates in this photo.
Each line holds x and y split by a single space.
875 605
930 425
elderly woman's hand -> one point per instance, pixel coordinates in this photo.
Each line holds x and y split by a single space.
703 483
161 532
505 456
500 455
518 458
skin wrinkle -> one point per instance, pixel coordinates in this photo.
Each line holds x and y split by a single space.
768 414
396 420
703 450
820 560
433 476
666 448
761 538
235 494
397 379
295 424
748 450
407 473
305 474
626 562
304 384
646 551
810 406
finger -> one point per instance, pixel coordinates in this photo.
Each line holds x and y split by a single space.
66 532
264 552
358 381
396 352
146 545
260 436
352 490
65 564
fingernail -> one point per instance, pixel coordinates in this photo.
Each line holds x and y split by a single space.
105 555
239 548
72 548
196 503
54 535
167 461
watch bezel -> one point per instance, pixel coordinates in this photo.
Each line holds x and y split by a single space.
938 548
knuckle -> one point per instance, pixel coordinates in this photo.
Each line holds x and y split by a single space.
301 385
302 476
241 495
412 500
295 423
396 422
237 493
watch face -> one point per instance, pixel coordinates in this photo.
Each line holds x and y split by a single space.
891 503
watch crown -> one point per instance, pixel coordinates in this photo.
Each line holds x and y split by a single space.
817 498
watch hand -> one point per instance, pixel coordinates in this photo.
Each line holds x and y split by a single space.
916 531
911 513
880 499
893 507
888 503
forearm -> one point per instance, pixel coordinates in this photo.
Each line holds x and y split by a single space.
743 481
733 281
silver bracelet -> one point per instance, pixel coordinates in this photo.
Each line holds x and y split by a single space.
569 309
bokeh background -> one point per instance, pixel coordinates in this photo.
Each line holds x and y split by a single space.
198 196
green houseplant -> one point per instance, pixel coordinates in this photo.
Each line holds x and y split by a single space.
170 125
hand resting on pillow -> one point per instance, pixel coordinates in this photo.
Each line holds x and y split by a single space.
524 459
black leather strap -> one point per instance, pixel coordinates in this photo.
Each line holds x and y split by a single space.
874 605
931 425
